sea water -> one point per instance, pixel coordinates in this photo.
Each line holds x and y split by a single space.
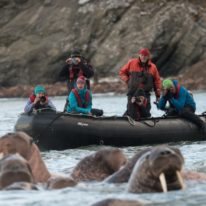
88 193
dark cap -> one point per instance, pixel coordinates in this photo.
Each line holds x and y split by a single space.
75 53
139 92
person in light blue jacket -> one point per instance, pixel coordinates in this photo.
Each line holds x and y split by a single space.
38 100
181 103
80 98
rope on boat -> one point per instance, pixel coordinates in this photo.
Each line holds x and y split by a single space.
154 121
204 113
130 120
52 121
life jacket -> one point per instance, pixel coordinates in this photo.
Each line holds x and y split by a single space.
75 72
33 97
78 98
138 115
177 91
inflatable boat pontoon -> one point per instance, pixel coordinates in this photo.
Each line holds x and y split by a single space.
59 131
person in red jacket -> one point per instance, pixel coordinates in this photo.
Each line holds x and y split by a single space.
141 73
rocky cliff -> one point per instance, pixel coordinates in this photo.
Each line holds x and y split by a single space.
37 36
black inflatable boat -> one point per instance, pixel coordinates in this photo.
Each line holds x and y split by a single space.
59 131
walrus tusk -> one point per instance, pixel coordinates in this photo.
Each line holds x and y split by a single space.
163 182
180 179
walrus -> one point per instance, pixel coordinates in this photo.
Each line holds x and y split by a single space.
157 170
123 175
116 202
20 142
59 182
99 165
14 168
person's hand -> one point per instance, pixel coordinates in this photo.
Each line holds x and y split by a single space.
37 99
133 99
68 61
71 60
164 92
157 99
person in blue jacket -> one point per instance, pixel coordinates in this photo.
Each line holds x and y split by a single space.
181 103
80 98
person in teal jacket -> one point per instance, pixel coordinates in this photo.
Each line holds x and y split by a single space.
80 98
181 103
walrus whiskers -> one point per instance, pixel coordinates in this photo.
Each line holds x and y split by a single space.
163 182
180 179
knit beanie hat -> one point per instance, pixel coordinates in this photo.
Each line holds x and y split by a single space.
145 52
167 84
75 53
39 89
81 79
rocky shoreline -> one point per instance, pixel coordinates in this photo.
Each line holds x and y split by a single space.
103 86
37 37
60 89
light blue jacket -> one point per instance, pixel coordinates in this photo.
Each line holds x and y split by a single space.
30 106
73 102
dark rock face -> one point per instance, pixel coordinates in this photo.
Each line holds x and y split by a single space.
37 36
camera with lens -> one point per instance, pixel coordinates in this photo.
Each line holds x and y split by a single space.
43 99
137 99
74 61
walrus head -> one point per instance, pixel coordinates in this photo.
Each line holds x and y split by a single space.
99 165
20 142
158 170
14 168
112 158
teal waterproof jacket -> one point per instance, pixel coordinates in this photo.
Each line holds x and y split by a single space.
181 99
86 102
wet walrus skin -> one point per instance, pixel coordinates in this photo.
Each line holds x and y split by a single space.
116 202
20 142
158 170
59 182
123 175
99 165
14 168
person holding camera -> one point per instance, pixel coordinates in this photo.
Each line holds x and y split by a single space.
137 106
181 103
38 100
76 66
141 73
